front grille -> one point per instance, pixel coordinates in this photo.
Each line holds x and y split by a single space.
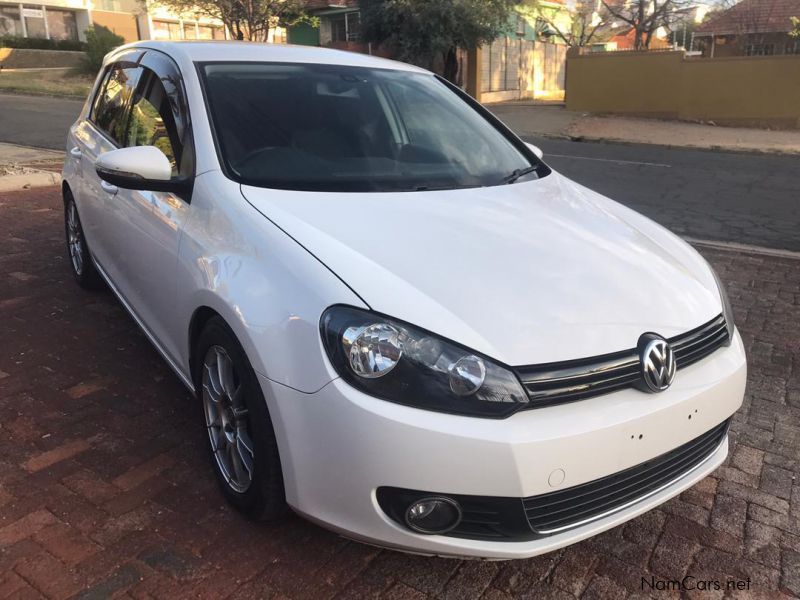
558 383
699 343
557 511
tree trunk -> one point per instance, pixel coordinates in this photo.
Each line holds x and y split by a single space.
451 65
637 42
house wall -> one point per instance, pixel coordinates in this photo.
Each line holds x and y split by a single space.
304 34
12 24
736 45
132 19
121 23
757 90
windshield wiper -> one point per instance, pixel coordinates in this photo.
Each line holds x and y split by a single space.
517 174
440 188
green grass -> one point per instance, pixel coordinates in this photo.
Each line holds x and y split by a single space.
61 82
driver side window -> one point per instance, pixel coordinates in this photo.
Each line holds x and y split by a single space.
110 105
151 121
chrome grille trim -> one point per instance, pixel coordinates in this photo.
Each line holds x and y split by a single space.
559 383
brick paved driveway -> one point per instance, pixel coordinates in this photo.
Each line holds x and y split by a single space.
105 487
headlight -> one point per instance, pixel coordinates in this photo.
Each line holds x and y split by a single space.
395 361
727 310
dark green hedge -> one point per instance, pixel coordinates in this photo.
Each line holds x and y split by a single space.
40 44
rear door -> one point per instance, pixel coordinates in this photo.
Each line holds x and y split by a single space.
101 132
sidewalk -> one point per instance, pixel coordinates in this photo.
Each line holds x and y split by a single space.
528 119
22 167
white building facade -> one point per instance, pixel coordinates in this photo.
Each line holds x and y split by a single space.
131 19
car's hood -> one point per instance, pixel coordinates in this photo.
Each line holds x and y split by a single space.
528 273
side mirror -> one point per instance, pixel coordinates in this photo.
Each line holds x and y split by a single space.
138 168
535 149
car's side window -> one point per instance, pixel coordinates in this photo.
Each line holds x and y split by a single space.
110 110
152 122
160 114
99 94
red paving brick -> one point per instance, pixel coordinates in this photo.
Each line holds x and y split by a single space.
105 489
50 457
141 473
25 526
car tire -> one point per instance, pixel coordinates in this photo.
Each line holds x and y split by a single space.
242 443
80 261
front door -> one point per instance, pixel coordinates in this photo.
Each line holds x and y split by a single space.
146 226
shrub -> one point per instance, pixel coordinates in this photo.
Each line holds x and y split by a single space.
9 41
99 42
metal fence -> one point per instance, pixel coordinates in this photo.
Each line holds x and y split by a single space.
513 69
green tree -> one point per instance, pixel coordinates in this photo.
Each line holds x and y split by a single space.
422 31
795 32
246 19
99 42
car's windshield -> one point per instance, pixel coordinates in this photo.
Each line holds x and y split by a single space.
352 129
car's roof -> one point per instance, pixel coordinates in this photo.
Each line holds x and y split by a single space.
208 51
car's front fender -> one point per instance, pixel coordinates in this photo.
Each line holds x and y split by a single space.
267 287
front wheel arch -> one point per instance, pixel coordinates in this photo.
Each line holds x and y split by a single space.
66 192
200 318
265 496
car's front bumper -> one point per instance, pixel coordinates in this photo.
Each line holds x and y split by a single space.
338 446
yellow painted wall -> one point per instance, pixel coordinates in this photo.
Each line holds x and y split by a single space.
120 23
757 90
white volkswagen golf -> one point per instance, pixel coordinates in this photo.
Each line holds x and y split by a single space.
396 318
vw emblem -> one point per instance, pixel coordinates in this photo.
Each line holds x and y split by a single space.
658 363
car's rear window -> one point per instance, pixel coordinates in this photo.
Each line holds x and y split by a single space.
338 128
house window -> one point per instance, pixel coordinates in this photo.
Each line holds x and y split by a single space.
166 30
34 21
10 23
760 49
346 27
210 32
61 24
109 5
521 26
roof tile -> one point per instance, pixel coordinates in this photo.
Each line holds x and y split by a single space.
753 16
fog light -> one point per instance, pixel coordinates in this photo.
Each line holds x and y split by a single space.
433 515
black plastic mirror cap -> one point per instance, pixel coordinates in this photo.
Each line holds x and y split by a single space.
128 181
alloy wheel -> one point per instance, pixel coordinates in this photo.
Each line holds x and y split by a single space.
227 419
74 238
